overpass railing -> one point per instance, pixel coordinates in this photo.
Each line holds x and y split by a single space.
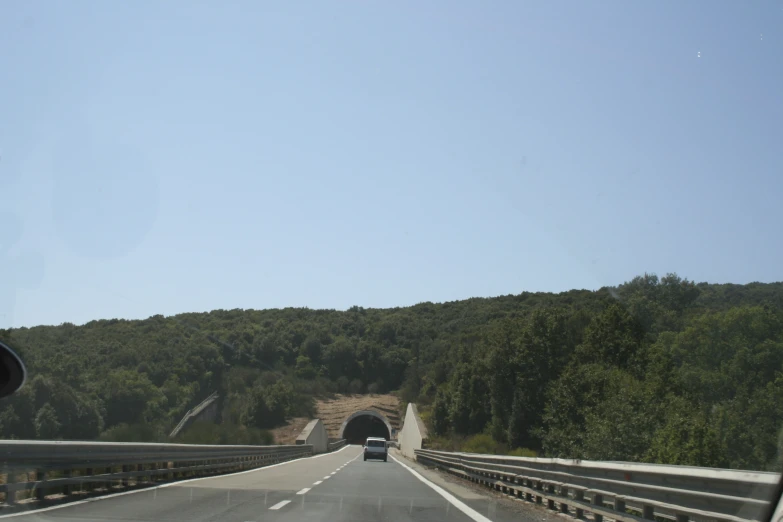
621 491
40 468
335 445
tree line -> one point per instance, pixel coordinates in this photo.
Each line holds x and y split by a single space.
653 370
659 372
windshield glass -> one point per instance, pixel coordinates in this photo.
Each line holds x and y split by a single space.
533 248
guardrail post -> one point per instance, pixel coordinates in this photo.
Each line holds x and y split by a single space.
88 486
108 482
550 488
682 518
563 503
67 473
648 513
579 496
619 505
529 483
125 480
597 500
40 477
10 496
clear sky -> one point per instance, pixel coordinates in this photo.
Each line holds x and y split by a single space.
176 156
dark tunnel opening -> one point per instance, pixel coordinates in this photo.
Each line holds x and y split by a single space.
357 430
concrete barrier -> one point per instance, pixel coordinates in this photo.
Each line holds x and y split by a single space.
314 435
413 435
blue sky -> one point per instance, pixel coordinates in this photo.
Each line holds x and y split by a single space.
167 157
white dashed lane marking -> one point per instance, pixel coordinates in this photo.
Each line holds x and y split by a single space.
317 482
305 490
280 504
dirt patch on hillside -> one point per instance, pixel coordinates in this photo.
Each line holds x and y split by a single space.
287 434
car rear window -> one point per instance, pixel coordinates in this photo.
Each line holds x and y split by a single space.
376 443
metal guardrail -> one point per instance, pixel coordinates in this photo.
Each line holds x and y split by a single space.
41 468
192 413
336 445
621 491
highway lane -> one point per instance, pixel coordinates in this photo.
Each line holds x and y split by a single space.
338 486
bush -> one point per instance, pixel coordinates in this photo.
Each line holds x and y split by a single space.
523 452
452 443
480 443
140 432
209 433
356 386
342 384
255 412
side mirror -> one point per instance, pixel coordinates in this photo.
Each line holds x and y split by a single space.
12 371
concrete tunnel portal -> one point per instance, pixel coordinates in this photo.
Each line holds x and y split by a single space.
365 423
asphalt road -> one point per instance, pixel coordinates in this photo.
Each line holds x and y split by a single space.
338 486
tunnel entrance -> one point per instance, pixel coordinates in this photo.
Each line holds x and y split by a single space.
361 426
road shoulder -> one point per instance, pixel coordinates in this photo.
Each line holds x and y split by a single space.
493 504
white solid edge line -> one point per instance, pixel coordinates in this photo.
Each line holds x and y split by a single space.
121 493
280 504
170 484
473 514
302 492
76 503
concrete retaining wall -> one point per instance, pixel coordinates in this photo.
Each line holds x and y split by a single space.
315 435
413 434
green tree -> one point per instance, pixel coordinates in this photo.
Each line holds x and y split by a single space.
687 437
131 398
304 368
255 412
614 337
47 425
279 399
440 413
517 426
10 423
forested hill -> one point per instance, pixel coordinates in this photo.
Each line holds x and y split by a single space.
656 370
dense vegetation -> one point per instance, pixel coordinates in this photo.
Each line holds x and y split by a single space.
655 370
